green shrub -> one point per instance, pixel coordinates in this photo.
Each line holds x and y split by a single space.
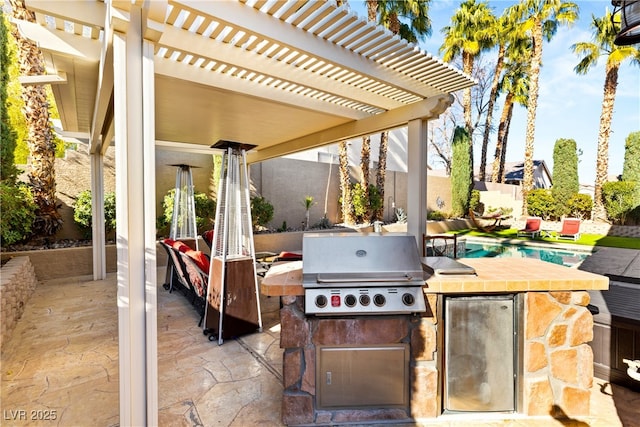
205 212
631 164
461 172
375 201
633 216
261 211
324 223
364 207
83 217
359 202
474 202
540 203
437 215
620 199
18 213
565 174
580 206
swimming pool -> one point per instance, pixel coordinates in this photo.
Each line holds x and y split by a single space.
565 257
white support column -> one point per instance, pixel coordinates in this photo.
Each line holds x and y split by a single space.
135 217
417 179
149 194
97 214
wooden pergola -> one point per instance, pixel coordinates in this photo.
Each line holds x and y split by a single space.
284 76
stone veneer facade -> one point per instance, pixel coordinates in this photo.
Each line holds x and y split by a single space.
17 285
557 363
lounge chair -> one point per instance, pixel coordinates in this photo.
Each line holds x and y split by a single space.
531 227
172 276
188 271
196 273
570 229
496 217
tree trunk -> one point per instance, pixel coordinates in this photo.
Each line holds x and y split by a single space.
532 105
382 172
503 154
492 98
498 158
372 10
345 184
40 141
467 67
602 160
365 158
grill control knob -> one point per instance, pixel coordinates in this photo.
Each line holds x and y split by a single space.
350 300
379 300
321 301
365 300
408 299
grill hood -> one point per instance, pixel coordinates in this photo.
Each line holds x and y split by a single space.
356 259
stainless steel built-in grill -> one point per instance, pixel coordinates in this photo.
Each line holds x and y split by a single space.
362 273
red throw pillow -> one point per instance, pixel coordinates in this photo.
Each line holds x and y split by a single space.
290 256
200 258
169 242
181 246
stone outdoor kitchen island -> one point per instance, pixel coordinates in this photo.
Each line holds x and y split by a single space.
553 362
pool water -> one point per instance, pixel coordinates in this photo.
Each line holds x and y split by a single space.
556 256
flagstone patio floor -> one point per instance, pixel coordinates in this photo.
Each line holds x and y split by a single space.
62 363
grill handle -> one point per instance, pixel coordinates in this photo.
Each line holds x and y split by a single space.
333 279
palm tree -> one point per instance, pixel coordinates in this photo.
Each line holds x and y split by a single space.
389 14
467 37
542 18
503 31
308 202
604 33
345 180
41 141
515 84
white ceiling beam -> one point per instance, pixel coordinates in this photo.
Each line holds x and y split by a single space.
59 41
87 12
235 14
426 109
104 94
44 79
178 70
186 147
199 46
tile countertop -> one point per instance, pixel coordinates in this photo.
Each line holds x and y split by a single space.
492 275
515 275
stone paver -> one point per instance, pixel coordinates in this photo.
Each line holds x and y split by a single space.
63 357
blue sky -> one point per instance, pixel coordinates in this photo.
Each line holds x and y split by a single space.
569 105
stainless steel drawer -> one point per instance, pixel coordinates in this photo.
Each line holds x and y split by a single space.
360 377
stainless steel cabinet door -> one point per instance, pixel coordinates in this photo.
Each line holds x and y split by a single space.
479 354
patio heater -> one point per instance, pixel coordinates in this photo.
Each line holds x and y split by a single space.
233 303
183 219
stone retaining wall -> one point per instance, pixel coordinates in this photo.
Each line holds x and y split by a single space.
65 262
17 285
